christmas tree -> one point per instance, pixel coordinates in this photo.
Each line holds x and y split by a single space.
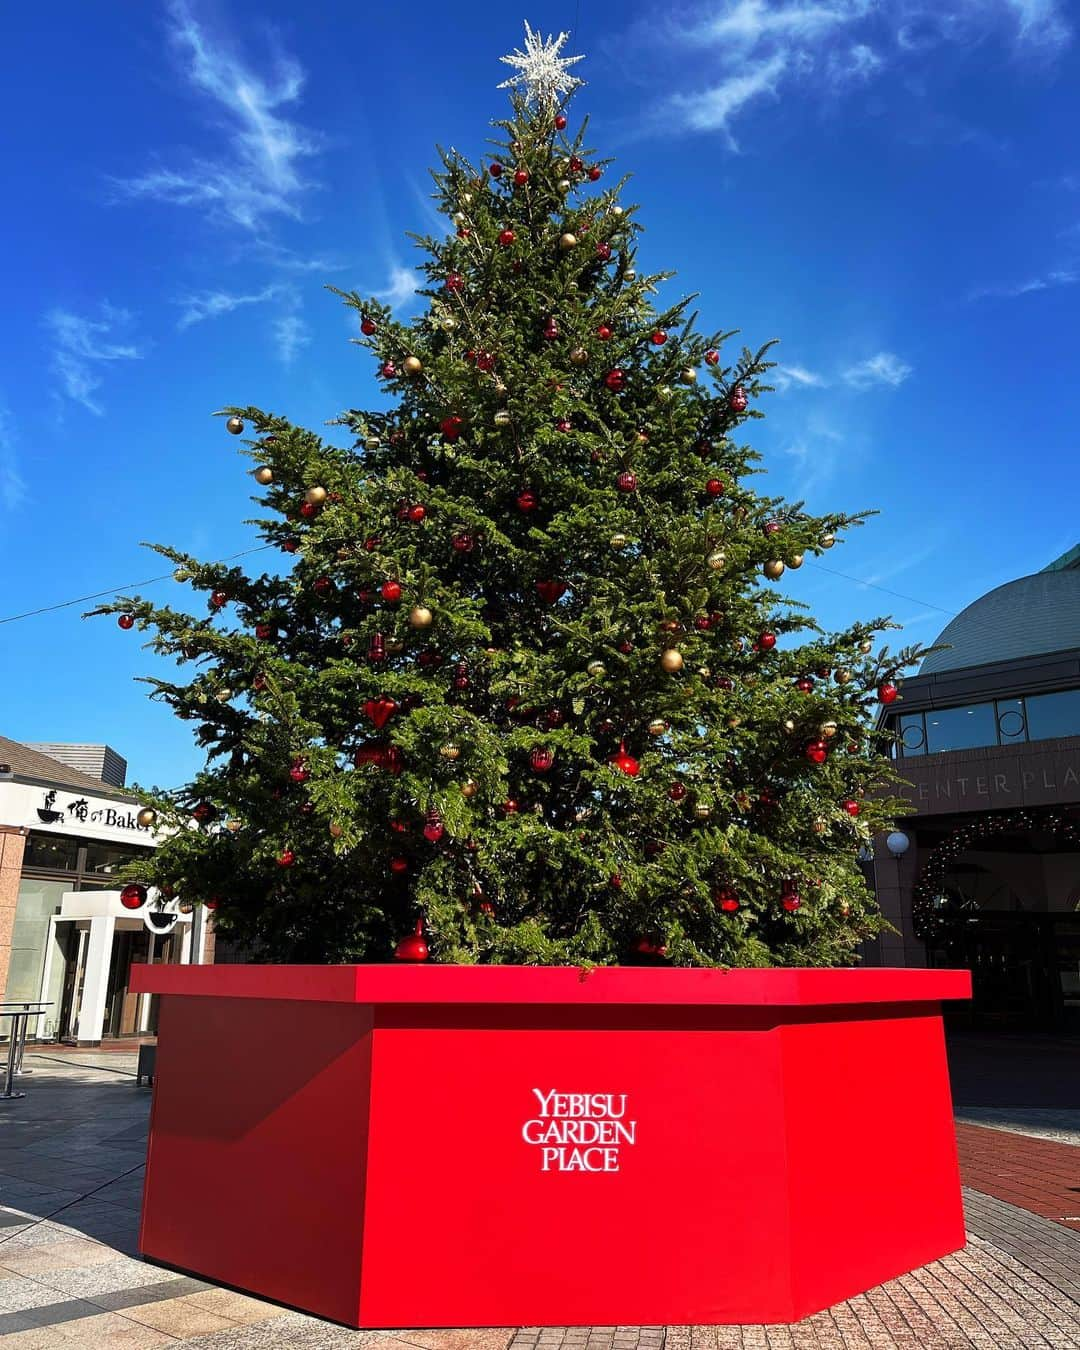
522 690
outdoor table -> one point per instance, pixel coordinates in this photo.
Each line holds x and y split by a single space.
460 1146
20 1013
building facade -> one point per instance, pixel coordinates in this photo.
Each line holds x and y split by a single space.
988 741
65 937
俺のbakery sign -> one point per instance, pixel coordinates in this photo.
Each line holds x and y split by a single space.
580 1131
60 811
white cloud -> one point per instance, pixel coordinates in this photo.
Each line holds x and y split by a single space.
771 47
785 377
400 286
292 335
82 346
213 304
12 487
258 174
712 109
884 368
1066 276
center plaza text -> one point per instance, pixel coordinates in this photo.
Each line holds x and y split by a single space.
580 1131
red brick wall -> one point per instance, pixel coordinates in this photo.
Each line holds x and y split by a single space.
12 843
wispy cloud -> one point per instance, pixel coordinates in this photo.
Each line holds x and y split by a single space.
787 377
884 368
213 304
82 346
292 335
1065 276
12 487
768 48
258 175
400 286
816 454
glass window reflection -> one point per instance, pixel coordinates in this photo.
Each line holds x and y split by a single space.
911 734
1050 715
961 728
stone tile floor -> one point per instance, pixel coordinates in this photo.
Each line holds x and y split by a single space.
71 1155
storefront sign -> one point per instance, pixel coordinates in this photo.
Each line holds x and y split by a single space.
990 783
60 811
579 1131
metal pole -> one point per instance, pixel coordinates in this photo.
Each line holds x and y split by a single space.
24 1027
13 1047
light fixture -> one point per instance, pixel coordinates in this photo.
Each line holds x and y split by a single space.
898 844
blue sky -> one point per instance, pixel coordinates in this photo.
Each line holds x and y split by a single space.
892 189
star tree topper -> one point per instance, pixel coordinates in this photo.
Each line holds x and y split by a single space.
541 69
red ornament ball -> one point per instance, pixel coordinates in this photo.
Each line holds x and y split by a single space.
677 792
133 896
264 631
791 900
286 858
290 545
766 641
455 282
412 947
551 591
367 326
321 585
560 122
551 330
417 512
604 332
626 481
452 426
541 759
887 692
462 543
805 685
737 400
625 762
521 177
615 380
714 487
388 370
433 827
126 621
564 425
399 866
817 752
506 238
658 338
712 356
307 510
391 591
595 172
603 250
702 623
299 773
527 500
852 807
509 807
576 164
495 169
485 361
218 599
727 901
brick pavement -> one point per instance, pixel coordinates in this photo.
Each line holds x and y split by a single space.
70 1176
1040 1175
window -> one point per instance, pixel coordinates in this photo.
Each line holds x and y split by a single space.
1050 715
51 853
911 734
1012 724
105 859
961 728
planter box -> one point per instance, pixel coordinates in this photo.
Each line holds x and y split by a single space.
505 1146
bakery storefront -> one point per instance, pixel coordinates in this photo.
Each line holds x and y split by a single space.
984 869
66 939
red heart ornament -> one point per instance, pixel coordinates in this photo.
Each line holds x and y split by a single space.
550 591
379 711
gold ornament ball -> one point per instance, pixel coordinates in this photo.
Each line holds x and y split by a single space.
688 376
630 274
223 695
596 669
866 647
795 561
315 496
568 241
146 817
500 389
234 425
657 726
466 198
502 418
395 646
774 569
704 672
263 475
842 676
672 660
619 541
616 210
564 184
181 574
789 726
579 357
371 443
702 810
664 393
412 365
820 826
827 540
420 616
448 323
828 730
336 830
459 217
233 826
450 751
716 560
469 788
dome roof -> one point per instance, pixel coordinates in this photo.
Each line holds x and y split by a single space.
1026 617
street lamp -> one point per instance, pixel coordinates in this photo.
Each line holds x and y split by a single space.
898 844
